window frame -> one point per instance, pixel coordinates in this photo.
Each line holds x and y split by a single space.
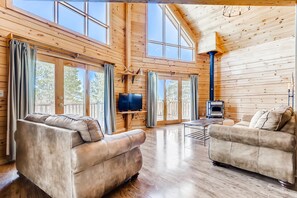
54 23
166 11
60 64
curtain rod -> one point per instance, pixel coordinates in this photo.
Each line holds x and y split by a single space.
47 51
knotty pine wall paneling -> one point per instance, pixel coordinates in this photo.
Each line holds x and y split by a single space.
260 54
50 34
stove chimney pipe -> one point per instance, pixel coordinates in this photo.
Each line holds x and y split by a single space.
211 74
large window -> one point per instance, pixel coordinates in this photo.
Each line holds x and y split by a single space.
67 87
84 17
166 38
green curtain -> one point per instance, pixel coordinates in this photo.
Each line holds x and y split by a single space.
22 63
109 99
152 88
194 97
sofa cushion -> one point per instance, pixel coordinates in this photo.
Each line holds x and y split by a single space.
290 127
256 117
275 119
88 127
254 137
90 154
37 117
242 124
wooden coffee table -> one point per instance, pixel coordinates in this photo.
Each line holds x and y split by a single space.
200 127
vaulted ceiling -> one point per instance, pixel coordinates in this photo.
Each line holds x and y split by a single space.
260 24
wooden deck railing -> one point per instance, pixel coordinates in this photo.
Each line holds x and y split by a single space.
172 110
96 109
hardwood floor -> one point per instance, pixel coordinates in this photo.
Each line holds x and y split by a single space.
173 167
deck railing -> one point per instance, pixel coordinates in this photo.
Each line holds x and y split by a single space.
172 109
96 109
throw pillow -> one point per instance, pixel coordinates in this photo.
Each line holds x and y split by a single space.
290 126
37 117
88 127
256 117
275 119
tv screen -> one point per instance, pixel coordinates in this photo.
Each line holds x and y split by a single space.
123 102
135 102
132 102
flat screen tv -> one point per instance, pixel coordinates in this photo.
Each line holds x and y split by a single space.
130 102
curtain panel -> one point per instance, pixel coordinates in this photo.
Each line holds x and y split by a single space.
109 99
194 97
22 63
152 88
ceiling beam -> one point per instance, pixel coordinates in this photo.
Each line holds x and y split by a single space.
216 2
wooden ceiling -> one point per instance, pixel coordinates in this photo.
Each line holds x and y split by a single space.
217 2
259 25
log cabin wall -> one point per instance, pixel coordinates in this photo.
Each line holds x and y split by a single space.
40 31
140 60
20 24
259 56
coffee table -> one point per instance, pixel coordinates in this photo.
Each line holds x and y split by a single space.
200 127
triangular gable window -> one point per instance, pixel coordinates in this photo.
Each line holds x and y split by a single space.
166 38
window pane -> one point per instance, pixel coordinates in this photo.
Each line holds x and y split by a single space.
185 40
78 5
171 52
155 31
186 99
172 99
44 9
71 19
98 11
97 32
74 90
171 32
155 50
97 96
186 54
45 88
161 99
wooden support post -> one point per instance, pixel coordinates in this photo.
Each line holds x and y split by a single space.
128 118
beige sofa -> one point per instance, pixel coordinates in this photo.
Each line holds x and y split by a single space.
270 153
62 164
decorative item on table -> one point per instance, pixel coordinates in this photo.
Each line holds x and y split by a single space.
291 91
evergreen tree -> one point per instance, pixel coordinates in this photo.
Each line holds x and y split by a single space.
73 86
45 83
97 87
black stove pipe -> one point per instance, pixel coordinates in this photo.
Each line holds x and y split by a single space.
211 74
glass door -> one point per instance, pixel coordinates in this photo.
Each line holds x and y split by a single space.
74 88
172 101
169 93
68 87
45 85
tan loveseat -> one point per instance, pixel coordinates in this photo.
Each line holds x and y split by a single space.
63 164
270 153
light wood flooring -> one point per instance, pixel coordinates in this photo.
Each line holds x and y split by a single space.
173 167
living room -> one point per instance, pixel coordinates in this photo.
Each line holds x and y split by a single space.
93 58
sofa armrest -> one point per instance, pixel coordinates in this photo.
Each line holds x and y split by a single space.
123 142
45 152
255 137
247 117
90 154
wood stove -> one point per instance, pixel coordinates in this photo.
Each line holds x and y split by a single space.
214 108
